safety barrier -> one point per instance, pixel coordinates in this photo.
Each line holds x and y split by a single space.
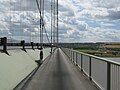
104 73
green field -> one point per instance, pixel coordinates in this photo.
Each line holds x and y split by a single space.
99 53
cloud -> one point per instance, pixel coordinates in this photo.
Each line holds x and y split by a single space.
114 15
79 20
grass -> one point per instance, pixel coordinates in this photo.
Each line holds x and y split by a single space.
99 53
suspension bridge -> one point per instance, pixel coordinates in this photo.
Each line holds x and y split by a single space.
37 61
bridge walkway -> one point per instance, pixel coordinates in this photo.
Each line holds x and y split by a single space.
58 73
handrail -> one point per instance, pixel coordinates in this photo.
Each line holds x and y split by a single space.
103 59
111 68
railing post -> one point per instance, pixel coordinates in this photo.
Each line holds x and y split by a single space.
81 62
73 56
90 75
70 54
108 76
76 58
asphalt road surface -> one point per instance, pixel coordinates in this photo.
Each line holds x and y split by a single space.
58 73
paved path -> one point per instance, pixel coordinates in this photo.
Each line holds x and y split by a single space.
58 73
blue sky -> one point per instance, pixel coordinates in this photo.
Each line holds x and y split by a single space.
79 20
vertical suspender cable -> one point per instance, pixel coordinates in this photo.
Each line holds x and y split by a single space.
39 8
21 23
10 21
42 19
30 40
39 13
53 21
13 31
51 25
54 31
57 24
40 22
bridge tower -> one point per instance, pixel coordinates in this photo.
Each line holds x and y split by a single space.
54 23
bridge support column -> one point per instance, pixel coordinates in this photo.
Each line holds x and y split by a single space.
23 45
32 44
4 41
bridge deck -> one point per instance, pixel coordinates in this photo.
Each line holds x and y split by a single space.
58 73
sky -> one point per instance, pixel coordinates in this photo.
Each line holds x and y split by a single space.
79 20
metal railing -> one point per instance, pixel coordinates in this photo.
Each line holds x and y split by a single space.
104 73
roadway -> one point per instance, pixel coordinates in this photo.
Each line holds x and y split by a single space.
58 73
